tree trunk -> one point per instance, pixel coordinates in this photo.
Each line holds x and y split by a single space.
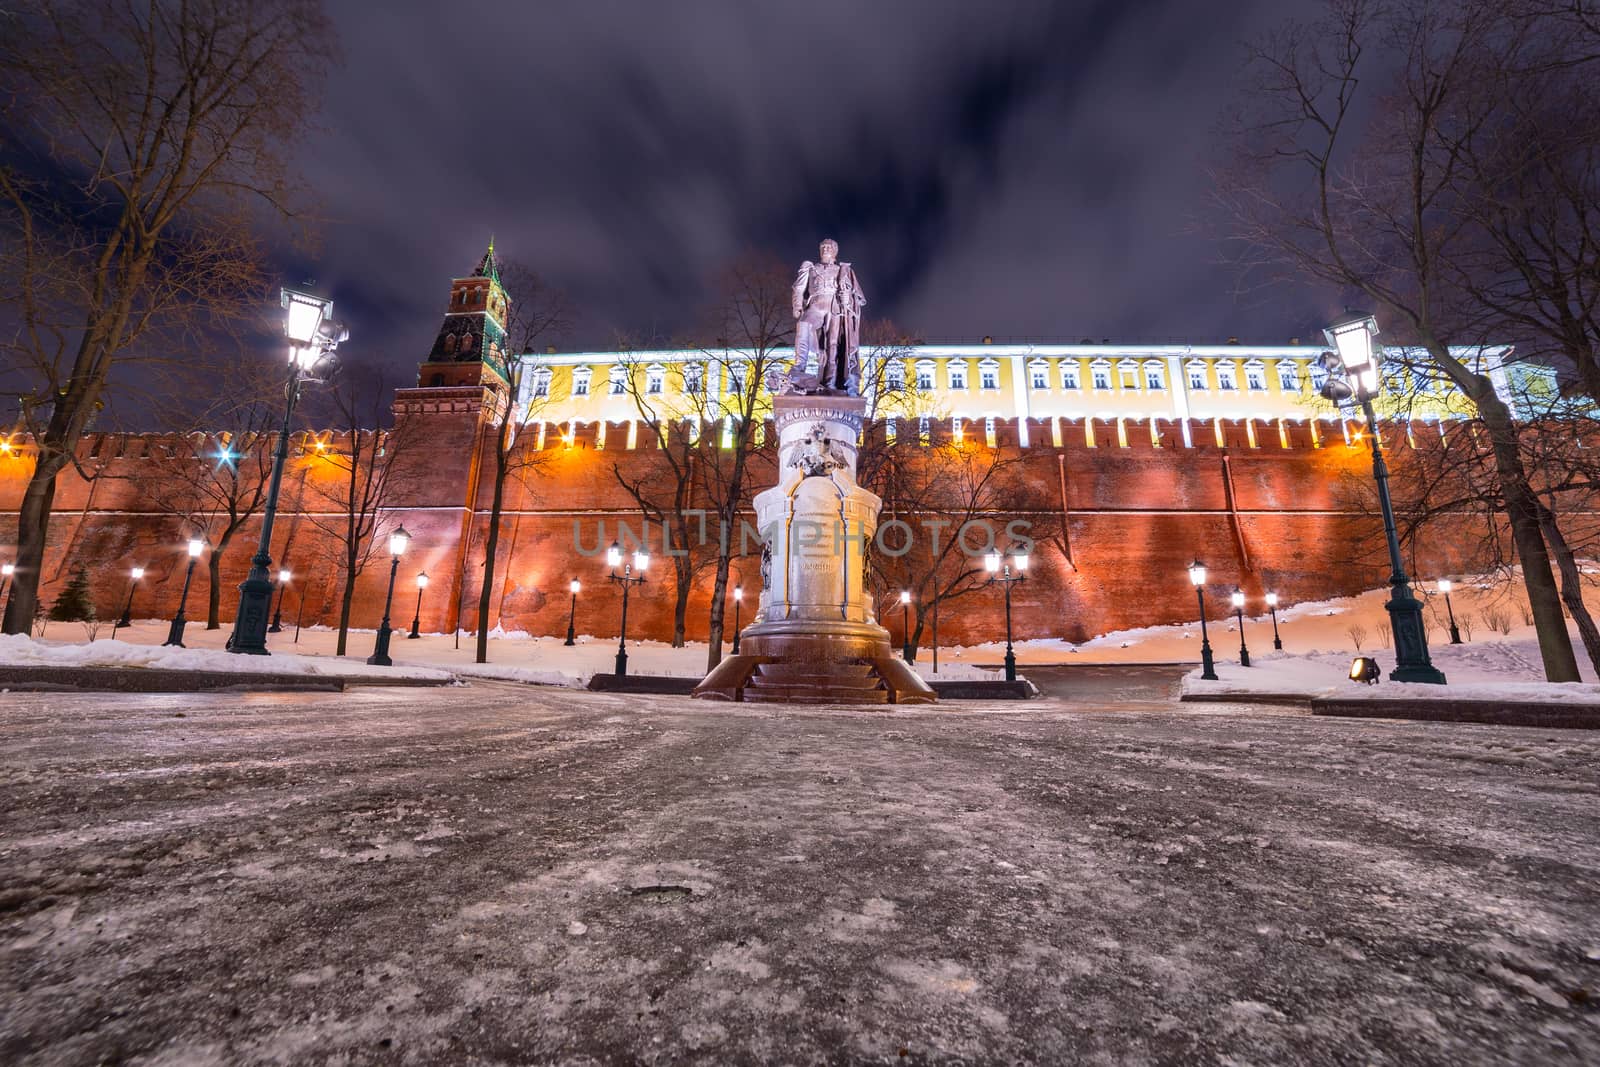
33 526
214 576
1522 510
344 606
491 545
1572 586
680 608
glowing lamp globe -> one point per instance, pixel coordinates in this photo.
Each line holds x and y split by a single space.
137 572
303 315
573 587
905 596
1238 598
1020 561
1197 573
1444 585
738 592
1272 600
641 560
283 575
1352 338
422 580
614 555
196 546
991 562
399 541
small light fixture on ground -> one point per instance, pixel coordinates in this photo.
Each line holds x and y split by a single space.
134 575
283 587
1000 571
907 653
1365 669
641 560
312 337
1455 632
398 542
1238 609
1355 373
175 632
738 602
1272 606
572 613
416 617
1197 577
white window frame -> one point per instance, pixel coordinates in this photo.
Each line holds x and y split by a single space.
581 377
617 380
1100 374
925 371
694 379
1255 376
1227 376
988 374
1155 375
894 374
1288 376
1038 374
955 372
1128 374
541 382
655 379
1070 374
1194 373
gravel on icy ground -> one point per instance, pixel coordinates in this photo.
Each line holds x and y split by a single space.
501 875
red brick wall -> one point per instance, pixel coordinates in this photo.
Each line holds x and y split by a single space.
1138 515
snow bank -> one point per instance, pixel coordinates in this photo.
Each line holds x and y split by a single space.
19 650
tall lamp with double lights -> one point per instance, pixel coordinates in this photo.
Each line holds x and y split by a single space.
627 579
1000 570
1355 372
313 336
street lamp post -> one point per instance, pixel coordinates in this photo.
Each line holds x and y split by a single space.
397 547
1358 357
283 588
1455 633
1272 606
1000 571
641 560
907 653
738 602
6 571
127 611
1208 665
572 614
416 617
1238 609
312 338
175 633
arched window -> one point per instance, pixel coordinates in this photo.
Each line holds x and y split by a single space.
655 379
541 382
924 374
1195 370
618 376
1069 374
1100 374
988 374
1155 375
737 373
1288 376
1319 375
956 371
580 381
1255 376
1227 375
694 378
1038 374
1128 374
894 374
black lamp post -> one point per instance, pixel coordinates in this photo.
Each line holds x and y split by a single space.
1272 606
908 653
641 560
1208 666
1238 609
312 338
283 588
572 614
127 611
738 601
397 547
1358 358
1455 633
175 633
416 617
1000 571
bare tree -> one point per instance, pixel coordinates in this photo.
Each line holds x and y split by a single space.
162 126
535 313
359 474
1376 207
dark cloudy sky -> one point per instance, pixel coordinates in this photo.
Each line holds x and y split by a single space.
1027 170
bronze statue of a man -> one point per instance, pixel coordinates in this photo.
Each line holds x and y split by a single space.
827 309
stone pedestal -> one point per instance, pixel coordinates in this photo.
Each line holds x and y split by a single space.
814 638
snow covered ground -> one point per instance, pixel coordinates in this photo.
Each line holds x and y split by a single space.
1319 639
22 651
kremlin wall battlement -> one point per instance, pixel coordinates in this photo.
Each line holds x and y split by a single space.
1267 504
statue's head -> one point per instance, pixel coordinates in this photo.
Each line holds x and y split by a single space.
829 250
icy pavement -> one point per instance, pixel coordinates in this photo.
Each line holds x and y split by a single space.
510 875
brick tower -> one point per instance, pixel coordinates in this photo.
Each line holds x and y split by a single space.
470 347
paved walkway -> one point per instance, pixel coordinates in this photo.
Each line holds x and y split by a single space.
514 875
